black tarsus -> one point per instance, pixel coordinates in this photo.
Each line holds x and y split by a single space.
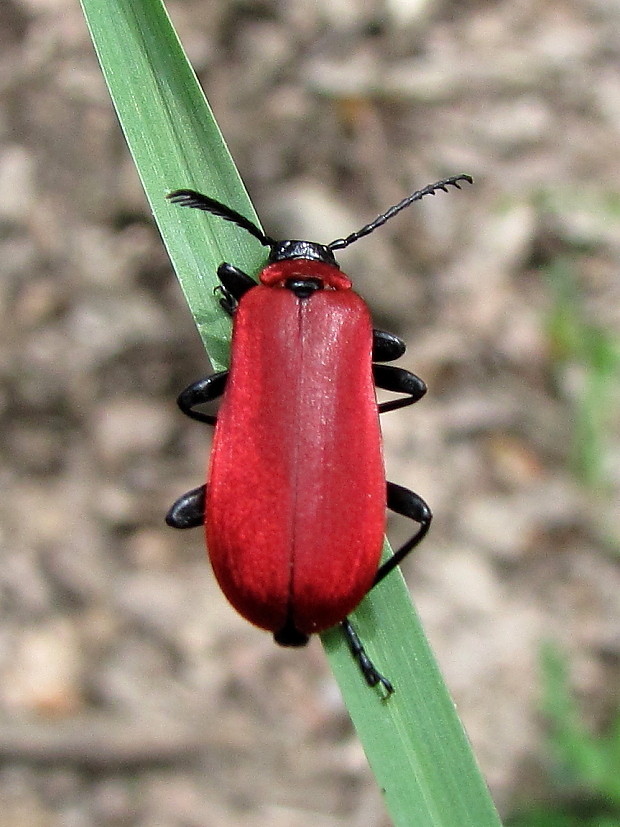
367 668
430 189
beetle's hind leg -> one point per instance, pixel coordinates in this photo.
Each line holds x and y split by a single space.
189 510
367 668
398 380
403 501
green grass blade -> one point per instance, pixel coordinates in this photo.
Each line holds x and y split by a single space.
414 741
175 143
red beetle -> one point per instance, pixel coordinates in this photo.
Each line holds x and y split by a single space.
295 503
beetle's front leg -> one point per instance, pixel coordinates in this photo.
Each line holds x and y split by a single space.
235 284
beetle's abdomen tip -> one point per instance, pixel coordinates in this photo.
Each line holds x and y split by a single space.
289 635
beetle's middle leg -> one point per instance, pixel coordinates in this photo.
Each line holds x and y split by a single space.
398 380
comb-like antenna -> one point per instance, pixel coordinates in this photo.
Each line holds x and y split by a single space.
431 189
191 198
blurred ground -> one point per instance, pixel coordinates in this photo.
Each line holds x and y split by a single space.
130 693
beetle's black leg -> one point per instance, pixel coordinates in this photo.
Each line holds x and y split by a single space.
391 378
226 301
405 502
371 675
189 510
235 283
386 347
202 391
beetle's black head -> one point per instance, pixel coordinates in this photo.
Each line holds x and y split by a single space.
287 250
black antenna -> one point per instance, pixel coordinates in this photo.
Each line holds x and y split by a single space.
191 198
431 189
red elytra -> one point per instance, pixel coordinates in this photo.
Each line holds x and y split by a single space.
294 506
